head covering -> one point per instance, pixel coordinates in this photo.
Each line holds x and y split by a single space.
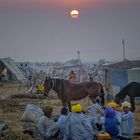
77 108
109 112
48 110
41 88
114 105
126 104
64 111
98 100
72 72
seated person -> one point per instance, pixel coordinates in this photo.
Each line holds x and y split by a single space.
46 126
61 120
127 124
118 112
77 127
111 122
97 112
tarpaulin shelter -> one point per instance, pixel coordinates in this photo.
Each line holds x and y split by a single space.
120 74
13 70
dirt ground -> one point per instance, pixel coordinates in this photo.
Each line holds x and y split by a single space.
11 109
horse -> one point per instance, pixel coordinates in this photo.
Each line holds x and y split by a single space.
67 91
132 90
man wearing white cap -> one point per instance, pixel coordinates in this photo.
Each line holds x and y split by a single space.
127 124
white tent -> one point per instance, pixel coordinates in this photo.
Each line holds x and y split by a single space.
12 67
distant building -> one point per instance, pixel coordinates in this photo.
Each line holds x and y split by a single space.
127 64
119 74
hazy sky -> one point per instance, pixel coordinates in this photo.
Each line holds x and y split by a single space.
42 30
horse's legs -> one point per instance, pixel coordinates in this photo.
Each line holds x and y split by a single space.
64 104
102 99
132 102
92 98
69 106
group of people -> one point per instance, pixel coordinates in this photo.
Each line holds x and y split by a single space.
116 121
83 78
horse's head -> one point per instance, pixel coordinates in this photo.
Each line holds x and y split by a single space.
118 99
48 84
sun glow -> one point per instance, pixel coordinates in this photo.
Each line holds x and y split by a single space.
74 14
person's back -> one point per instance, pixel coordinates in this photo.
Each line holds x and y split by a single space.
97 112
77 127
45 122
43 125
111 126
118 110
111 122
61 120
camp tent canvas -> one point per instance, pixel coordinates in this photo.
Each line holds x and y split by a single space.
116 79
12 68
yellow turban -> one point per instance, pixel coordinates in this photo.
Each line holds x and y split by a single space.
41 88
77 108
114 105
126 104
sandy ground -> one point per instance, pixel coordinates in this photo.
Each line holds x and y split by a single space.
11 109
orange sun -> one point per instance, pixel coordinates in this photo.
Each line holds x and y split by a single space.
74 14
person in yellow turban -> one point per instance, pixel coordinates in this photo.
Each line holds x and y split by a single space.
39 89
118 110
77 126
114 105
77 108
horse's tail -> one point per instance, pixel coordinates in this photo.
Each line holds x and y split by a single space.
102 94
102 89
